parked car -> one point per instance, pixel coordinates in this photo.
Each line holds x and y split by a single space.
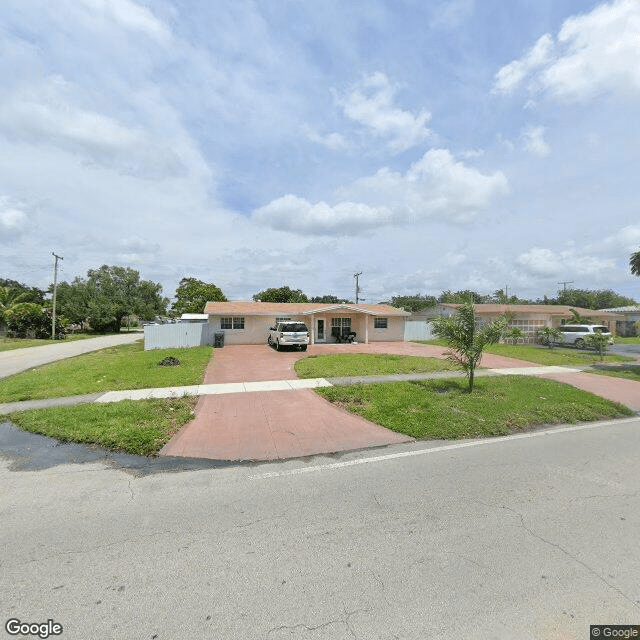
289 334
575 333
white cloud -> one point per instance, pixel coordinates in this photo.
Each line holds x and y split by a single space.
371 104
333 141
565 264
533 138
129 15
437 186
597 51
512 74
13 221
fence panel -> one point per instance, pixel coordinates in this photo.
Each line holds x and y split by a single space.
418 330
180 334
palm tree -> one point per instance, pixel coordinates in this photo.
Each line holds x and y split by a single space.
10 296
634 263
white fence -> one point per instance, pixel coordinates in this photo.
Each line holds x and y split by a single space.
418 330
180 334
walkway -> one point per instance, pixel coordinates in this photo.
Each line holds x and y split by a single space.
17 360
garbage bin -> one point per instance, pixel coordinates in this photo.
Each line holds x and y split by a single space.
218 339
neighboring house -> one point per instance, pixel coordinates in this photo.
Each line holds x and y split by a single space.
628 325
245 322
529 318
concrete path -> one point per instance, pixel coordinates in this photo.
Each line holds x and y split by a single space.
17 360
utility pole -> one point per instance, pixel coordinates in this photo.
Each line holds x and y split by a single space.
506 293
356 275
55 286
566 283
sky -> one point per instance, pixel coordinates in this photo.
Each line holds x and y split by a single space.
449 144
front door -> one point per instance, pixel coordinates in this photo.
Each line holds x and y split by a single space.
320 337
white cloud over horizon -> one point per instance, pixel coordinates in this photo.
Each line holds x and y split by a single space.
259 144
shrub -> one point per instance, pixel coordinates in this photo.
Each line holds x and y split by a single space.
27 319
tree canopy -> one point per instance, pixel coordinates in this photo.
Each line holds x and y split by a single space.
416 302
192 295
634 263
329 299
107 295
281 294
591 299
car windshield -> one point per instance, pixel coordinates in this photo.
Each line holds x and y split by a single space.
294 326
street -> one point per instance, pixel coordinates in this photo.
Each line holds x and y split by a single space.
532 536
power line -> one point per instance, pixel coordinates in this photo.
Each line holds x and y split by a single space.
566 283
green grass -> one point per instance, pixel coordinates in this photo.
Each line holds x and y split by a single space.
8 344
366 364
557 356
631 340
140 427
116 368
443 409
628 371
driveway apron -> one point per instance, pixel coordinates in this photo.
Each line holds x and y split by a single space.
285 424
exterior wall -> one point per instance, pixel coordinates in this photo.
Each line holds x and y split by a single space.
256 328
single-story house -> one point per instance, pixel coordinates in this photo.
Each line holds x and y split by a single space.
246 322
629 324
529 318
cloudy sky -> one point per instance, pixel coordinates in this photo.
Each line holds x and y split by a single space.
447 144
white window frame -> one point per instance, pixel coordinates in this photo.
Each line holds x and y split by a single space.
230 323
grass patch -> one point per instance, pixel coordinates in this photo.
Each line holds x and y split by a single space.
366 364
628 371
8 344
629 340
140 427
443 409
115 368
557 356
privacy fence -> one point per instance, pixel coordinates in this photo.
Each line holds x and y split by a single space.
181 334
417 330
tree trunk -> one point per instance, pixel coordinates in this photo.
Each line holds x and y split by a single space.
471 380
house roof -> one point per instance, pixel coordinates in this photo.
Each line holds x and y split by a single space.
250 308
549 309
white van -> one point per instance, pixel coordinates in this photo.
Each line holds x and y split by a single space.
575 333
289 334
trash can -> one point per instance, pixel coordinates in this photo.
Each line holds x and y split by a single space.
218 339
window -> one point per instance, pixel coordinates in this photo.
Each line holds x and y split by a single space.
282 319
341 322
232 323
380 323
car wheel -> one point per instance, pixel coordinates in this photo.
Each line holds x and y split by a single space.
277 345
269 341
579 343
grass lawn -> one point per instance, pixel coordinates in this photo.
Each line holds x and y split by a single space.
557 356
366 364
120 367
443 409
632 340
141 427
7 344
629 371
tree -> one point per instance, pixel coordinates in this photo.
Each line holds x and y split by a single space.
591 299
329 299
282 294
597 341
413 303
465 339
549 336
12 293
108 294
460 297
192 295
634 263
28 318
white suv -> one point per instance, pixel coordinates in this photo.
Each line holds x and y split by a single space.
575 333
289 334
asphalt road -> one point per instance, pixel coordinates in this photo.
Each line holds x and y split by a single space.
533 536
16 360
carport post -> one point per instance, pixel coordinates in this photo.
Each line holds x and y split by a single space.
366 328
312 335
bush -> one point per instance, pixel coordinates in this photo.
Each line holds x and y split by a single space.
27 319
